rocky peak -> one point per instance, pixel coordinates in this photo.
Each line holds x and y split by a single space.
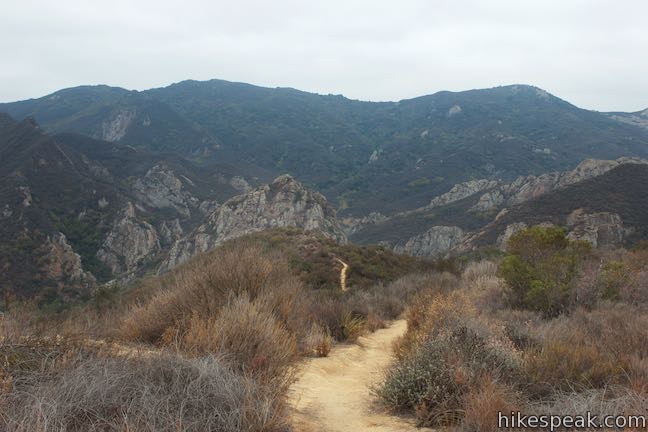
461 191
283 203
284 180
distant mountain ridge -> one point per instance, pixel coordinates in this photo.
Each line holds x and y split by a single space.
609 208
363 156
474 206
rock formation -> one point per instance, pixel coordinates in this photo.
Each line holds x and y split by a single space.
161 188
63 265
600 229
130 244
497 193
432 243
283 203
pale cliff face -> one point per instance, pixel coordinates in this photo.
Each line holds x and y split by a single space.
130 244
433 243
63 265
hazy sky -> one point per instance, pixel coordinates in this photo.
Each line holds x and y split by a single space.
593 53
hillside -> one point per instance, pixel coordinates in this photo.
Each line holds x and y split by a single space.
312 256
639 118
622 191
75 209
363 156
448 219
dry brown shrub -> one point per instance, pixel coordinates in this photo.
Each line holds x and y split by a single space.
443 356
19 321
487 293
430 313
247 336
482 404
636 290
592 349
520 326
201 288
479 269
587 290
317 341
563 366
374 322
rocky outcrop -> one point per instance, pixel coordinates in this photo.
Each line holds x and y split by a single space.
600 229
352 225
529 187
116 126
170 232
283 203
161 188
489 201
494 196
64 266
25 191
433 243
130 244
461 191
240 184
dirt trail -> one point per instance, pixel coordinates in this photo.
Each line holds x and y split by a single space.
333 393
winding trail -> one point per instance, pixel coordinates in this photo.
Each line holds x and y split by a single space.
343 274
333 393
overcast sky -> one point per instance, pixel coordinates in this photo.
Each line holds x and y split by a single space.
593 53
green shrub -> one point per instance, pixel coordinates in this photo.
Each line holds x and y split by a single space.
541 269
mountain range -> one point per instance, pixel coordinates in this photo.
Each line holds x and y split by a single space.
363 156
100 183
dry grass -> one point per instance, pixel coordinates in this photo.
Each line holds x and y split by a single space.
249 337
479 269
165 393
562 366
591 349
202 287
239 304
610 401
482 403
317 342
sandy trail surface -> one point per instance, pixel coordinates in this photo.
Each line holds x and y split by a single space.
333 394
